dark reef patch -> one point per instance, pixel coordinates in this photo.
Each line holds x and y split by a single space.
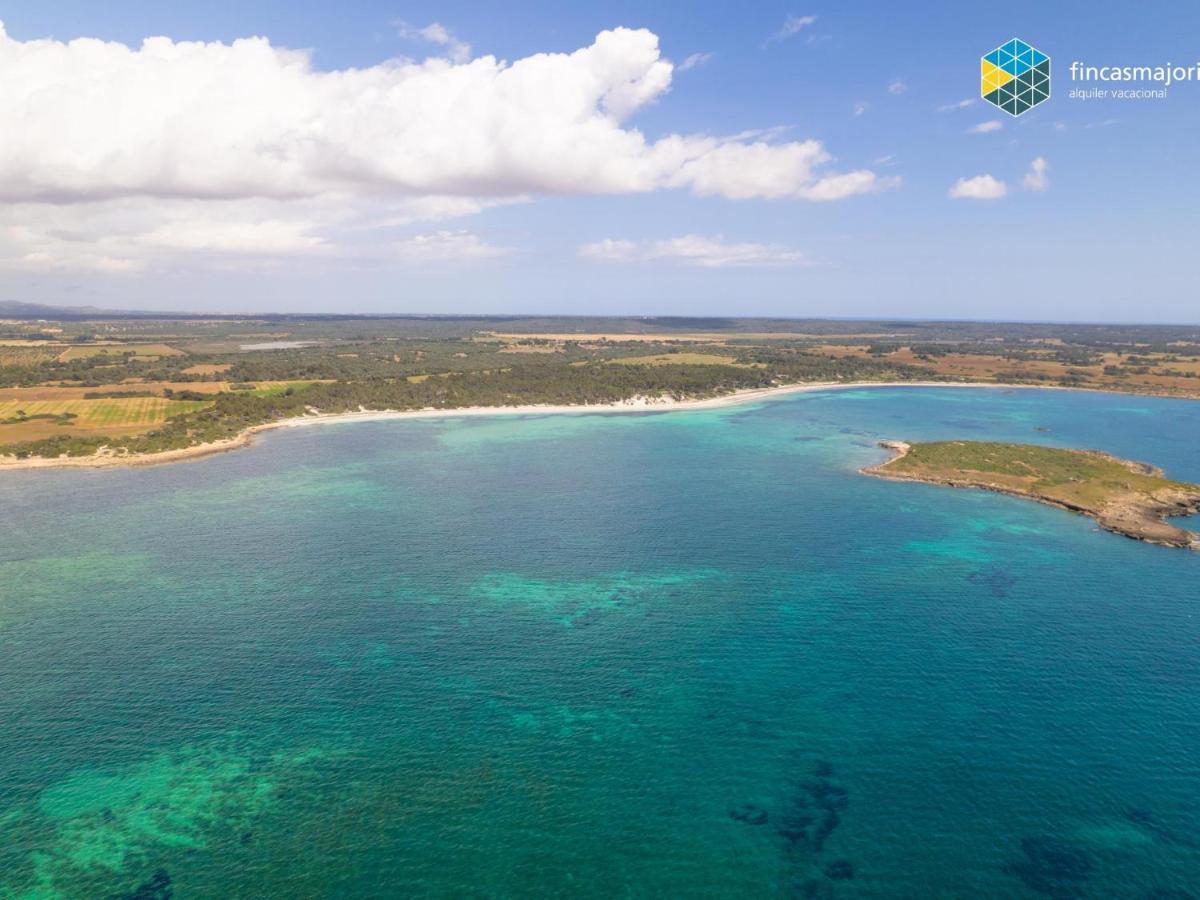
840 870
811 813
1051 866
1153 825
157 887
812 889
995 580
749 813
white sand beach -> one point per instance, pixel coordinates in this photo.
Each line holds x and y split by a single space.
107 459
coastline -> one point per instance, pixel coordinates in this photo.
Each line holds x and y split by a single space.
246 437
1143 521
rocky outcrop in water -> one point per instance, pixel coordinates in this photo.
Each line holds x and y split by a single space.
1129 498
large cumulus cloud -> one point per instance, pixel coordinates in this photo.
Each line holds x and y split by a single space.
172 128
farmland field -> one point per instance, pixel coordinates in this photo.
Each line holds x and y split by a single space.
117 417
207 369
275 388
675 337
139 350
1143 370
25 354
677 359
613 337
24 396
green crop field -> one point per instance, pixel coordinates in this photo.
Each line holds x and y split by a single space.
141 351
275 388
26 355
116 416
677 359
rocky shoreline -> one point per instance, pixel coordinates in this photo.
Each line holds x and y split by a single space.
1134 515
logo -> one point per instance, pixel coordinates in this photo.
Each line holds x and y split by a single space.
1015 77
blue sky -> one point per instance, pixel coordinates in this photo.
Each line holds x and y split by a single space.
1104 233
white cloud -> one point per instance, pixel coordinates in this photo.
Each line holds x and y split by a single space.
897 87
251 120
960 104
133 233
860 108
446 246
981 187
740 170
694 60
270 236
986 127
610 250
791 27
435 33
694 250
1036 179
248 119
211 148
42 261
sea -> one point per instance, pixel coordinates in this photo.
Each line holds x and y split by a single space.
663 654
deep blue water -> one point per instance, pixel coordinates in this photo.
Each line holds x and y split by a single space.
665 655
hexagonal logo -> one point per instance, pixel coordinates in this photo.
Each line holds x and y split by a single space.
1015 77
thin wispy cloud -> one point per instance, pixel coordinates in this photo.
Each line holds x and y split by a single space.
439 35
791 27
961 104
694 60
860 108
986 127
981 187
445 246
897 87
693 250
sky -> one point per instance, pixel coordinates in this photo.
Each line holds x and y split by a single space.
777 159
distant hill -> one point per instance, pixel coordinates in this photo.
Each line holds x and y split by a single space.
15 309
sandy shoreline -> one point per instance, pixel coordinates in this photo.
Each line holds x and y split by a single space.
634 405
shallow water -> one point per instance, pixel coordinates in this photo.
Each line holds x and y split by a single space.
676 654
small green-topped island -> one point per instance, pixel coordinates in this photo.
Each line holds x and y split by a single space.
1129 498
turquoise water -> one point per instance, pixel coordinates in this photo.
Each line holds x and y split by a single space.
669 655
